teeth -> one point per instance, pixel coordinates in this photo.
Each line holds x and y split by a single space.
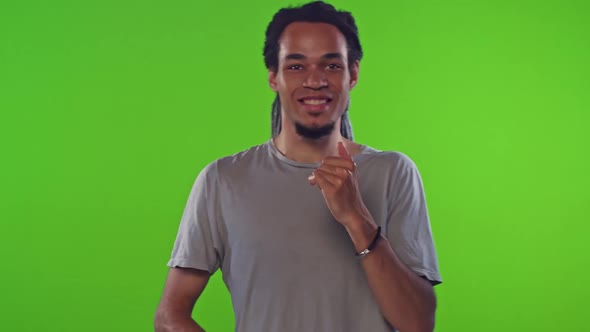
314 101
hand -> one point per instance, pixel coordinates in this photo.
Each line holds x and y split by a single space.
337 178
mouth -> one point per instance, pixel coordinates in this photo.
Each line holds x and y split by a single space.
315 103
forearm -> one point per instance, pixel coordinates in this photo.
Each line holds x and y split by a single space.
175 322
406 300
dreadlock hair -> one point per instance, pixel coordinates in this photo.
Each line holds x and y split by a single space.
314 12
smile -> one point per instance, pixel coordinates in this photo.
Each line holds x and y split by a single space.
314 101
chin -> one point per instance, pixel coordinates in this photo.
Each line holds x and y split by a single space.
314 131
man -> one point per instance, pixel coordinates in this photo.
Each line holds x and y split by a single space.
312 231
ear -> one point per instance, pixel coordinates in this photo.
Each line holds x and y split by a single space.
354 74
272 80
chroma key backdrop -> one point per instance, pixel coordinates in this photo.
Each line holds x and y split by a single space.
109 110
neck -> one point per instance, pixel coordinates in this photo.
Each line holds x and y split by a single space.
305 150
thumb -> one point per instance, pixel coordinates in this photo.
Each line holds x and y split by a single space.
343 152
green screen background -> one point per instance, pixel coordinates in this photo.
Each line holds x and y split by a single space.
109 109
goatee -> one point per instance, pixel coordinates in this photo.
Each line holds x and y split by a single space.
314 133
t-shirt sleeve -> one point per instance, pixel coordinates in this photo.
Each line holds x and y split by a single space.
408 224
198 243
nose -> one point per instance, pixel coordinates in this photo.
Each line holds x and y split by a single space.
316 79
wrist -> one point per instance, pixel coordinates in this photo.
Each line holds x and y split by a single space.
372 245
362 232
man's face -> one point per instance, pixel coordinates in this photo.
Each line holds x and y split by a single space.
313 79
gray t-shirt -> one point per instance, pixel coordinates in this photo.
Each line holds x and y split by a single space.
288 264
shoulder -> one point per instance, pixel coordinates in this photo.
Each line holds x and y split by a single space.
390 160
236 163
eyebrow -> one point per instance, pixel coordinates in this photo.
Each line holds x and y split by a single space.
299 56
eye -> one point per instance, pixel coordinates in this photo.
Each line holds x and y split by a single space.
334 66
294 67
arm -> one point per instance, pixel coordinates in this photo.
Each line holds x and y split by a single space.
406 300
183 288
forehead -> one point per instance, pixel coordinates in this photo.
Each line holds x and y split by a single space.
311 40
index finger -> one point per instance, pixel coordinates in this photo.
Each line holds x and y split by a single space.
343 151
339 162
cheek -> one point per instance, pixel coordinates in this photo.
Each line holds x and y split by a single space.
340 81
286 83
